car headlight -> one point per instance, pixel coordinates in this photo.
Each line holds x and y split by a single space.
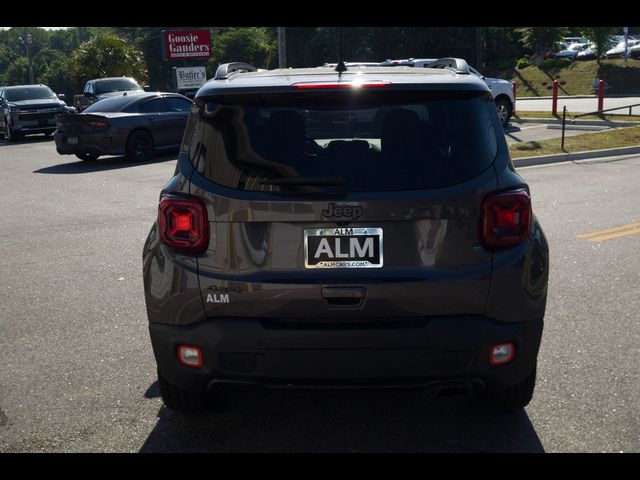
15 111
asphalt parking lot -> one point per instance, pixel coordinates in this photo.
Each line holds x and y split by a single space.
78 372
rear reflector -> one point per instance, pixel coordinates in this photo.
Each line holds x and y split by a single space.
190 356
502 353
506 219
342 85
183 223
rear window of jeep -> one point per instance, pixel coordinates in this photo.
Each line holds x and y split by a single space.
369 141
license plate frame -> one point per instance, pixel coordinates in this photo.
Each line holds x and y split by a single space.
341 251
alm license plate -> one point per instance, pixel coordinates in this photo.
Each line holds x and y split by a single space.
343 248
72 140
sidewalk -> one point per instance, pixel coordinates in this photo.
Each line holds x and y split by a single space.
577 104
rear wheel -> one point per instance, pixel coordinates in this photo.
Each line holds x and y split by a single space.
88 157
183 401
511 398
139 146
503 106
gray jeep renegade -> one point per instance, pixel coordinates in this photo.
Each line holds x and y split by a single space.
348 228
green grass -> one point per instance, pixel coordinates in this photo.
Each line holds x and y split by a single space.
577 78
620 137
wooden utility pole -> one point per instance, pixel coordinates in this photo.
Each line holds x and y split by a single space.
282 47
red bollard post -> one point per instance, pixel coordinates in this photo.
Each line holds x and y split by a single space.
514 87
554 105
600 95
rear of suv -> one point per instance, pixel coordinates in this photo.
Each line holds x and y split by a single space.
345 229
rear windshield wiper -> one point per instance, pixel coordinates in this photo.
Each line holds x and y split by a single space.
319 181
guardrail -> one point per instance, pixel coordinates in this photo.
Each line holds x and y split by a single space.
597 112
600 112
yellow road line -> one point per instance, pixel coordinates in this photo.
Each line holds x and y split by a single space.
615 235
608 230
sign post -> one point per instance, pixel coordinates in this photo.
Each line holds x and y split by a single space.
188 79
625 30
186 44
190 47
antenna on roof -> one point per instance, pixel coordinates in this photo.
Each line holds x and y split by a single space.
341 67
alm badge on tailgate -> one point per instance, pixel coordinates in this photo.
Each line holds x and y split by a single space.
343 248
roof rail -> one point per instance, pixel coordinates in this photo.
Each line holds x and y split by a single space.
225 70
458 65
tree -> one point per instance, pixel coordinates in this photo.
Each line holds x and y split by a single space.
254 45
107 55
540 39
17 73
600 37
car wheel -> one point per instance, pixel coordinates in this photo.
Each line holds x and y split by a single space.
10 134
503 106
511 398
181 400
139 146
87 157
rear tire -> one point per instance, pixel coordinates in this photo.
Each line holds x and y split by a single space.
505 110
183 401
511 398
139 146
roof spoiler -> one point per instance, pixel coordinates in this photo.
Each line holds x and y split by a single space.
225 70
458 65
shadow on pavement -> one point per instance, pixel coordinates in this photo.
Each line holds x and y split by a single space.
252 420
102 164
510 132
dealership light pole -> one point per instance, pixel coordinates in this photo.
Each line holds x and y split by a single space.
27 40
282 47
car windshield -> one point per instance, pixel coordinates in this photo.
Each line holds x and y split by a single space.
364 142
29 93
116 85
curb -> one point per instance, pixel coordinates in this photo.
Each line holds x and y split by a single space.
570 157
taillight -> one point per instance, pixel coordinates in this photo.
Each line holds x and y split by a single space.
183 223
97 124
506 219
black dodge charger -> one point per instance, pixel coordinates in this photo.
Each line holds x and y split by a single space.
134 125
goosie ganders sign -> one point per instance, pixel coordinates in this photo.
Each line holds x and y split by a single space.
185 44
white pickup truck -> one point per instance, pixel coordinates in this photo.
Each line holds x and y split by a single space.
502 90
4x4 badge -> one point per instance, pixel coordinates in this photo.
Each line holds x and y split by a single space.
342 211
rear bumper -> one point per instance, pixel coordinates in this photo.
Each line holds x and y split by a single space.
97 144
431 352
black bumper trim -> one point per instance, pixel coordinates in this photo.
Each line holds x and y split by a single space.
440 349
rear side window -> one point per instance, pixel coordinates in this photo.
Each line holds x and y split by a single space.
156 105
360 142
177 104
